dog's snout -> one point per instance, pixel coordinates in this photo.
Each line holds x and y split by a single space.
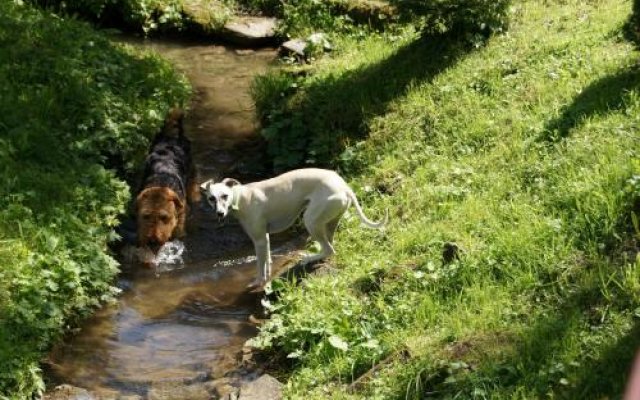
220 213
153 243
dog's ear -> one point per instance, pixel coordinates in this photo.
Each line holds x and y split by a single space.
230 182
173 123
204 186
175 114
140 199
177 201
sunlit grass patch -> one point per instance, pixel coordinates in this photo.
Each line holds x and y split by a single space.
522 154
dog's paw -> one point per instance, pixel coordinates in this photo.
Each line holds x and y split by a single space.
256 285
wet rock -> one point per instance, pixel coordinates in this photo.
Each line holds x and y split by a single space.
250 31
108 394
68 392
225 362
295 46
314 43
129 397
221 388
265 387
178 390
248 357
245 52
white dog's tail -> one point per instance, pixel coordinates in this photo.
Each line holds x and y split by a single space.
366 221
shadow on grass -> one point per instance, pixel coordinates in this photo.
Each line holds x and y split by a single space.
334 111
602 372
632 26
601 97
536 361
607 374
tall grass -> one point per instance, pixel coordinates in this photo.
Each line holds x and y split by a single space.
71 105
523 154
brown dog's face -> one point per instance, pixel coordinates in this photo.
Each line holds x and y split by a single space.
160 215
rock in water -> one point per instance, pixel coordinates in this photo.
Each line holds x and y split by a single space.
250 31
68 392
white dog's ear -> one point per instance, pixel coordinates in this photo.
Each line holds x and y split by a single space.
230 182
204 186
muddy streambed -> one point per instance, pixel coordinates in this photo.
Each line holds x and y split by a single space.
178 332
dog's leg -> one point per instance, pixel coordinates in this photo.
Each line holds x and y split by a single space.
263 261
332 226
321 222
266 266
319 234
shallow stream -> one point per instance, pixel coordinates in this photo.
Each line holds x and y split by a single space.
185 324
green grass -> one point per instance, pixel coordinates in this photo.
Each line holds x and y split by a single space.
524 153
71 104
296 18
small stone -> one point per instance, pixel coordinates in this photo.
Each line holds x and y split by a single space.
221 387
295 46
178 390
245 52
110 394
68 392
265 387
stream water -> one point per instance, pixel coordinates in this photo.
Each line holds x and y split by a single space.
185 324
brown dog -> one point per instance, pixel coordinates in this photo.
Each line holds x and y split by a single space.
161 205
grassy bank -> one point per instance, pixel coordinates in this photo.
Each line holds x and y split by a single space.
71 103
522 154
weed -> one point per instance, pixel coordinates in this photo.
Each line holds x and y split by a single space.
73 105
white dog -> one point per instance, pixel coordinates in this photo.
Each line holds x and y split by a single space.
272 205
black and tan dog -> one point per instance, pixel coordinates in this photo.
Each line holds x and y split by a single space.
168 182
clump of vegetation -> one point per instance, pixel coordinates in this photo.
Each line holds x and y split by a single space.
294 107
148 16
523 154
298 18
72 104
465 16
633 27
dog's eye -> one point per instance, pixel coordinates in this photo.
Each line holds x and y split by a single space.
164 219
211 198
224 197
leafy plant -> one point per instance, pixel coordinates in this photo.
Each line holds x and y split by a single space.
75 109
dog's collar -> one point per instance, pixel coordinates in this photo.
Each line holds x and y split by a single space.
235 198
169 179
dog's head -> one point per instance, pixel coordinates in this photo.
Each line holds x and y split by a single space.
220 195
160 215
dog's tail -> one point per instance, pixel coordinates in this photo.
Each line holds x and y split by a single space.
173 123
363 218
